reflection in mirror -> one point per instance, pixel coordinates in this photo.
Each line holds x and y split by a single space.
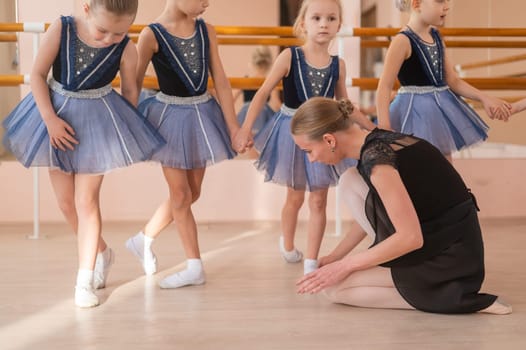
506 139
8 66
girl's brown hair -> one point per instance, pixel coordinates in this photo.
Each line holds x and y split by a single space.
117 7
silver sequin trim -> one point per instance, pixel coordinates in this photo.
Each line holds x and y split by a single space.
316 78
421 89
90 93
178 100
84 55
190 49
288 111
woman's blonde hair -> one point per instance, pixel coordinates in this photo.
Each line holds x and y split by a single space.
262 58
321 115
403 5
117 7
298 31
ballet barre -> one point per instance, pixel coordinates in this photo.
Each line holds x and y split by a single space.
461 68
283 36
255 83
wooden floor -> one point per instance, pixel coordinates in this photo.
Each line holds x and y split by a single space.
248 302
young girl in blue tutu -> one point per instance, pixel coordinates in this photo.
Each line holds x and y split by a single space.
429 103
78 126
306 71
260 64
183 49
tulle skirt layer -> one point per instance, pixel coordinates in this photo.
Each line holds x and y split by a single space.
437 115
194 129
264 116
110 131
286 164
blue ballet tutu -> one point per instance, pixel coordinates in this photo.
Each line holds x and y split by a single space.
110 131
264 116
194 129
145 93
286 164
438 115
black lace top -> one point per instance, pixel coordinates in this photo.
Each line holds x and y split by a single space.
434 186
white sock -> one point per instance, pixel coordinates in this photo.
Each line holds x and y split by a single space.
84 295
292 256
103 263
192 275
85 278
147 241
143 243
147 244
309 265
139 239
194 265
106 255
141 246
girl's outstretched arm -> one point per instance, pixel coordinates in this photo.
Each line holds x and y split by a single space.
352 238
398 52
279 69
146 46
222 85
518 106
61 134
494 107
128 72
341 93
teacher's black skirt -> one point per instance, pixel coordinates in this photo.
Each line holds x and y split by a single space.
449 280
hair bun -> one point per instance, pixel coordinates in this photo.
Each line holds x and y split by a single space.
346 107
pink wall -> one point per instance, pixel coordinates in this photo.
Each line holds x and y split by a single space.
235 191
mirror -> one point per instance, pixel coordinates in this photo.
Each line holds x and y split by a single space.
507 138
8 65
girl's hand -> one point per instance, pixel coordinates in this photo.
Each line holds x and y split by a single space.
322 278
502 113
242 140
60 134
496 108
232 132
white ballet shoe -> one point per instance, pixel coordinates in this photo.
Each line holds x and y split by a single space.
309 265
148 260
85 297
102 269
293 256
182 279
